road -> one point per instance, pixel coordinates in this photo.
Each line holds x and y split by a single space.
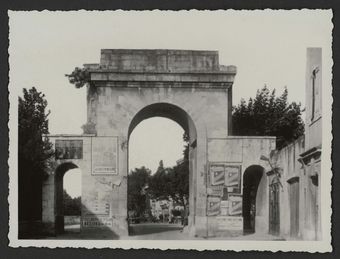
152 231
157 231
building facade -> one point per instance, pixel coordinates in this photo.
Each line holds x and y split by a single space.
295 195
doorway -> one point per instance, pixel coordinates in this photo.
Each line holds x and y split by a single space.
251 180
294 201
68 198
274 207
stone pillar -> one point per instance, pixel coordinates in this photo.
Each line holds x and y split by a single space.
48 205
201 223
120 213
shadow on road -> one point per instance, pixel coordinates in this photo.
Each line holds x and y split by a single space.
152 228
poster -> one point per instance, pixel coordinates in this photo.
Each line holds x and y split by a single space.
235 205
232 176
96 221
69 148
214 204
230 223
217 174
104 156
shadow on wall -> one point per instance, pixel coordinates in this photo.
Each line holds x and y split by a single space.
95 228
94 232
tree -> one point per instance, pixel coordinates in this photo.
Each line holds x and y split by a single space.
268 115
179 182
79 77
72 206
34 152
138 181
159 188
172 182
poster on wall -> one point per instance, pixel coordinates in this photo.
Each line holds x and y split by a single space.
235 205
217 175
233 179
224 207
230 223
214 204
104 156
68 149
97 221
215 191
99 203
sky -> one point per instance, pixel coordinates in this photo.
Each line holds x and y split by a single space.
268 47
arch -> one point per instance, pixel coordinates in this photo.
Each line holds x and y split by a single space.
165 110
59 190
251 180
180 116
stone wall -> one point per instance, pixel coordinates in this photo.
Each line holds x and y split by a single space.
241 152
287 162
299 198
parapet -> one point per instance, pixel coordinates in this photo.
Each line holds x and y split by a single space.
181 68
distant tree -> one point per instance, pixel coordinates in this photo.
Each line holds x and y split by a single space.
159 188
179 182
172 182
34 152
268 115
72 206
138 181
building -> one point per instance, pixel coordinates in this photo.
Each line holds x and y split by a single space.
294 196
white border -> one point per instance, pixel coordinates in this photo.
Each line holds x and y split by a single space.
235 245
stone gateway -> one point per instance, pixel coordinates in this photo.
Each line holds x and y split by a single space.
194 90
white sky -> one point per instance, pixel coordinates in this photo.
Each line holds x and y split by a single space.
268 47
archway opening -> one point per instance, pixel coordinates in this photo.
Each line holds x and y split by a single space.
162 154
68 198
251 180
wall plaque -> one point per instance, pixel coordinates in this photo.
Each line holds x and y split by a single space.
104 156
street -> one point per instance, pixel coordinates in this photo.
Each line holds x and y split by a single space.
153 231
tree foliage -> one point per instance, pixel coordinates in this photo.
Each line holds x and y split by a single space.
79 77
34 152
164 184
172 182
138 181
72 206
268 115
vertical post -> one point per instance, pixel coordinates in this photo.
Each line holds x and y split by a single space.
230 107
48 205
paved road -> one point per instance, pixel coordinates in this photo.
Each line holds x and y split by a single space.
157 231
151 231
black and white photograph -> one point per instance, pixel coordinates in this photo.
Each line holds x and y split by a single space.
205 130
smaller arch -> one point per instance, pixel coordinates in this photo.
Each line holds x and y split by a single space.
63 168
59 193
251 180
